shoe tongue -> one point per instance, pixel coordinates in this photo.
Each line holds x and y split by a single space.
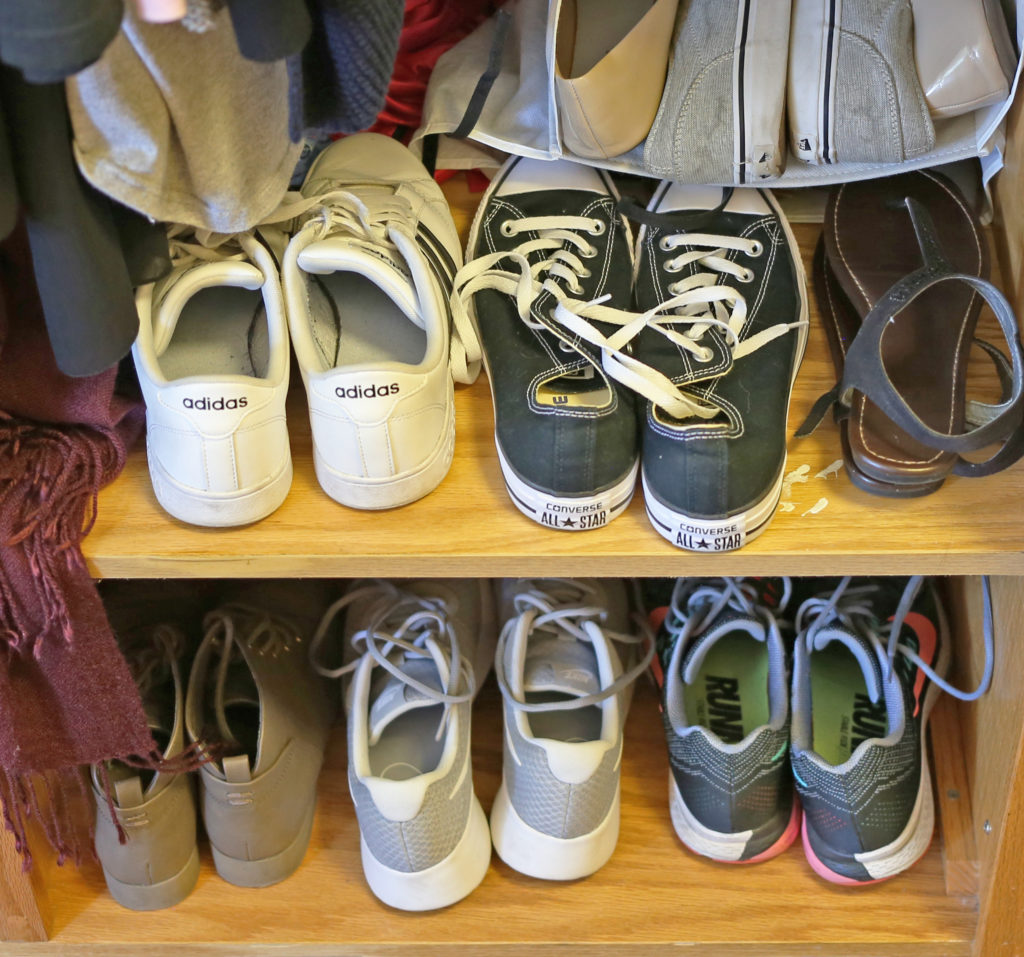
379 263
394 697
862 650
724 625
173 296
555 665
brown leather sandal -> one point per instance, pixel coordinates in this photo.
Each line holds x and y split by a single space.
900 332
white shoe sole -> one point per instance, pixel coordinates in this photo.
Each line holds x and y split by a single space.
568 513
392 491
444 883
267 870
540 855
156 896
219 509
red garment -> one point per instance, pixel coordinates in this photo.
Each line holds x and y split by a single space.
66 695
429 29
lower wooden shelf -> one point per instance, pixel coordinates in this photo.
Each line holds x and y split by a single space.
652 896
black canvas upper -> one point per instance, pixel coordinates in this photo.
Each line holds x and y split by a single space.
567 451
717 469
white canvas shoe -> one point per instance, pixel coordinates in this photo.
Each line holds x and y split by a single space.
367 279
212 358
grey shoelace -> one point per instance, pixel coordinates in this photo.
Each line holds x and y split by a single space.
560 608
846 605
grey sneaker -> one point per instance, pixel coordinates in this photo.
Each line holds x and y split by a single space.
158 864
566 662
726 716
854 93
720 119
422 650
257 708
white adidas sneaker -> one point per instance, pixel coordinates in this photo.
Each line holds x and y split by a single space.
368 279
212 358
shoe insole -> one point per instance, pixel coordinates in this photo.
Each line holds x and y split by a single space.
355 322
730 693
600 26
582 389
842 715
572 726
408 747
221 331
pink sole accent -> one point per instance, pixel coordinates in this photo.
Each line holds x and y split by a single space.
785 839
824 871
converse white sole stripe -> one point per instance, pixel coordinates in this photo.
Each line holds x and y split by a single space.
568 513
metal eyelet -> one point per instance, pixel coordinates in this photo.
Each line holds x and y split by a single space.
564 346
506 229
589 253
706 356
672 266
585 273
673 288
665 244
748 276
757 248
598 228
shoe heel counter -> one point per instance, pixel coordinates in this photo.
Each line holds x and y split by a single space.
161 836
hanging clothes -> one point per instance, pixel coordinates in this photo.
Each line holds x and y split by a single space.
183 128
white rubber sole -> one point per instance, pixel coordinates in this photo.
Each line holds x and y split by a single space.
555 859
395 490
446 882
727 534
568 513
156 896
717 845
267 870
219 509
713 535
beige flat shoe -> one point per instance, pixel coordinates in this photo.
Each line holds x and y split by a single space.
964 54
610 64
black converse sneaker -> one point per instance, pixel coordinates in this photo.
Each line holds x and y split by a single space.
545 234
720 279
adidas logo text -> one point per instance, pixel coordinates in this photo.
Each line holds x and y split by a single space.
207 403
368 392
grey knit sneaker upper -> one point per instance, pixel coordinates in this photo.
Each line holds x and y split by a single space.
418 652
565 664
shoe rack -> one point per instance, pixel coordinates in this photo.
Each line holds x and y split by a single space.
966 897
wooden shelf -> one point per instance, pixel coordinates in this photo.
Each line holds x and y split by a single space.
468 526
652 892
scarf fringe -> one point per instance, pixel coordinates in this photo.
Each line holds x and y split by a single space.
49 485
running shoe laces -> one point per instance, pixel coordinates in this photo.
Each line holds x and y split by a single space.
851 608
401 628
559 608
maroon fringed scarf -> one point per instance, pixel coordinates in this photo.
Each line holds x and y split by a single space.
67 697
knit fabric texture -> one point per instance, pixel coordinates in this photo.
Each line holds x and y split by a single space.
339 82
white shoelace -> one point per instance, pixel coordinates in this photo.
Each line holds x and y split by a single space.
401 625
560 608
694 608
563 242
699 302
847 606
388 224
